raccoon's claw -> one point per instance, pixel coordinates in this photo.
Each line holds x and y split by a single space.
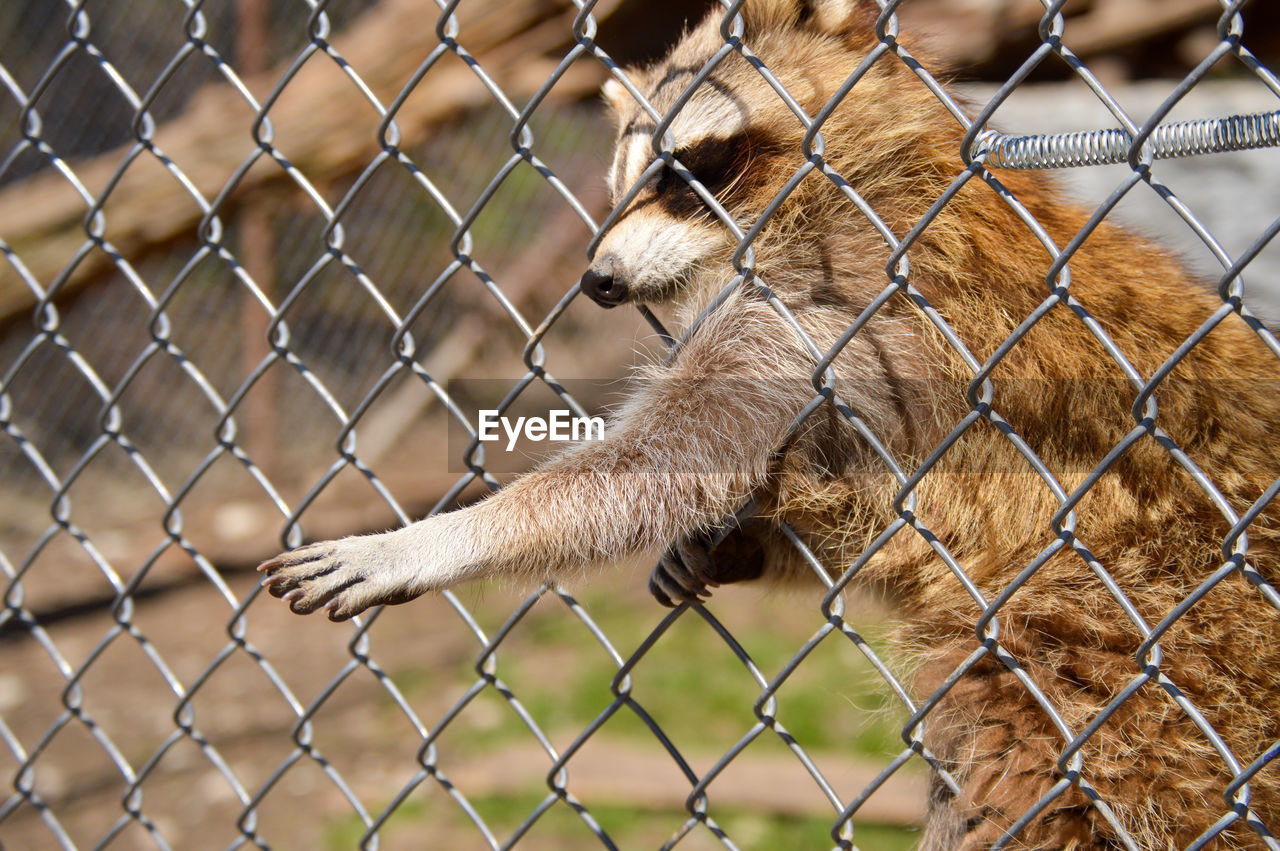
324 575
347 576
694 564
684 572
667 592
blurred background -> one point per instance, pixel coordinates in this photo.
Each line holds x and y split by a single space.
183 184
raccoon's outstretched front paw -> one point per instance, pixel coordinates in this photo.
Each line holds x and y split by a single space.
334 575
347 576
693 565
343 577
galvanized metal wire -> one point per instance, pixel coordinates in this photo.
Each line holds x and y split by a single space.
90 109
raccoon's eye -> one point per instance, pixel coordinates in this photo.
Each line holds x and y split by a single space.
669 181
714 162
710 162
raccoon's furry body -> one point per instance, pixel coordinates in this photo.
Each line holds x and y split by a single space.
703 435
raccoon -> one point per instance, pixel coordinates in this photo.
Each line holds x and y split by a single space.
1095 634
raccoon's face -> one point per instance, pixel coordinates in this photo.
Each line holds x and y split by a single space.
735 136
667 231
722 138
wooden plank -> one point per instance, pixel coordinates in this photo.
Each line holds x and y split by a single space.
41 219
617 772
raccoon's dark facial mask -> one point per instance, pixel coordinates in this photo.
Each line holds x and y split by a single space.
670 229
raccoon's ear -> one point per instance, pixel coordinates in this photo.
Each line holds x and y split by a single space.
833 16
829 16
616 96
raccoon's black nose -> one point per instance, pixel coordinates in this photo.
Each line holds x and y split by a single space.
603 285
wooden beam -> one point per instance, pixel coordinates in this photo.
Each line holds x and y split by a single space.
323 124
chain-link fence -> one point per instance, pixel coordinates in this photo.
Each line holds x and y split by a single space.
264 263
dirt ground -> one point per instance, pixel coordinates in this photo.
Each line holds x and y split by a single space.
111 715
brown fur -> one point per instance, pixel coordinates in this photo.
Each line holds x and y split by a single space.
702 436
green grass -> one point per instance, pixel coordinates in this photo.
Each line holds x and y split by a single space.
694 687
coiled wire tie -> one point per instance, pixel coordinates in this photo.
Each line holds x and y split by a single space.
1107 147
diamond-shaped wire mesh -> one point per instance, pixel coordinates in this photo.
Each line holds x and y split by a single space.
264 261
